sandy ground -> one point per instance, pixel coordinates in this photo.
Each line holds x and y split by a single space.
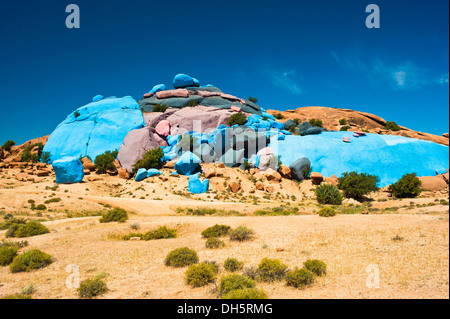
357 248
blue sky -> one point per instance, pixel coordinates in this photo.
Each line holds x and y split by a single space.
288 54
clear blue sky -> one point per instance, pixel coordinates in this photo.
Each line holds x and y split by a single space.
288 54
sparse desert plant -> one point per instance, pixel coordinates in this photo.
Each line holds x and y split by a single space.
253 99
17 296
192 103
234 282
133 235
201 275
30 260
119 215
10 222
181 257
8 144
326 212
150 159
343 122
307 171
357 185
241 233
316 122
161 233
232 265
216 231
7 254
238 118
345 128
214 243
91 288
406 187
278 116
105 161
271 270
46 157
32 228
392 126
53 200
252 272
317 267
28 156
246 293
159 108
41 207
328 194
299 278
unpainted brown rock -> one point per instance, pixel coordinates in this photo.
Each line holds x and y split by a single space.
259 186
170 164
269 189
432 183
41 173
123 173
87 164
284 171
234 187
272 175
21 177
316 178
210 172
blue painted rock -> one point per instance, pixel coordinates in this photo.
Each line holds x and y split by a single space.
196 186
68 170
153 172
183 80
158 88
141 175
97 98
187 163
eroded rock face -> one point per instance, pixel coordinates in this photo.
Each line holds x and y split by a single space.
432 183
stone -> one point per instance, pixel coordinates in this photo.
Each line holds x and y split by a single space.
234 187
111 172
140 175
123 173
163 128
183 80
196 186
170 164
316 178
272 175
210 172
432 183
135 238
284 171
68 170
31 178
179 93
153 172
259 186
298 168
269 189
42 173
97 98
445 135
236 108
157 88
187 164
87 164
86 172
21 177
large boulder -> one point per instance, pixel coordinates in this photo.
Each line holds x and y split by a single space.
157 88
95 128
298 168
187 164
68 170
196 186
184 80
432 183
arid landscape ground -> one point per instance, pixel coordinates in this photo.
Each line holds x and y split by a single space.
407 240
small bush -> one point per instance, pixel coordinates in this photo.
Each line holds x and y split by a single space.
181 257
271 270
76 114
392 126
52 200
357 185
214 243
234 282
307 171
7 254
246 293
318 267
132 235
151 159
192 103
159 108
342 121
30 260
46 157
241 233
345 128
32 228
161 233
105 161
278 116
253 99
91 288
8 144
238 118
116 215
232 265
27 156
328 194
299 278
11 222
327 212
316 122
201 275
406 187
41 207
216 231
17 296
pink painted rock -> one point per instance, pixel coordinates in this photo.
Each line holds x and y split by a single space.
136 143
173 93
235 108
152 119
265 151
147 95
229 97
163 128
207 93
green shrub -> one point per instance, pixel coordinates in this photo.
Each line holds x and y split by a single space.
8 144
46 157
253 99
105 161
328 194
116 215
27 156
52 200
213 243
357 185
246 293
271 270
41 207
201 275
32 228
17 296
406 187
131 235
317 267
299 278
11 222
316 122
345 128
234 282
181 257
91 288
238 118
278 116
159 108
232 265
307 171
161 233
76 114
151 159
241 233
30 260
216 231
392 126
192 103
342 121
7 254
327 212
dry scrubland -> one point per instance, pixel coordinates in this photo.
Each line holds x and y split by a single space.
407 239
